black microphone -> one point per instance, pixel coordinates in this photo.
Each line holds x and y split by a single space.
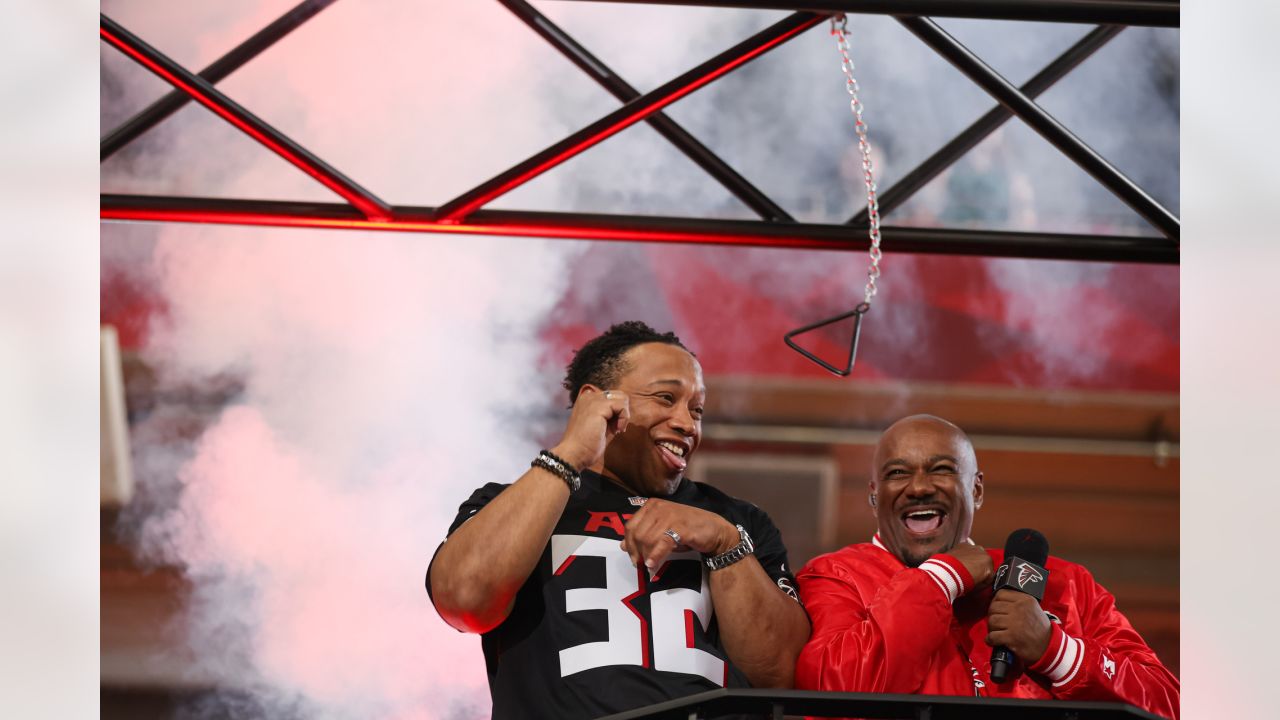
1025 553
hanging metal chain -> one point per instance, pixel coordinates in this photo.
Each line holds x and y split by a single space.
840 29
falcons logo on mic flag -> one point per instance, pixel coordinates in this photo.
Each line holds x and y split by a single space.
1028 573
1023 575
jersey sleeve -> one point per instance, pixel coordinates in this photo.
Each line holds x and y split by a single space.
770 551
877 643
1110 662
473 504
478 500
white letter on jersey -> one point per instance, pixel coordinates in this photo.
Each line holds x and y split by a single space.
626 642
674 611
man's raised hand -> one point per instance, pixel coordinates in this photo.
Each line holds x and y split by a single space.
598 415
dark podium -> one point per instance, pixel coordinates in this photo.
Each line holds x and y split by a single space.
781 703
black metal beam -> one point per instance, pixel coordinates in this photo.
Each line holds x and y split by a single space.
220 69
171 72
1156 13
969 138
735 183
1043 123
638 109
630 228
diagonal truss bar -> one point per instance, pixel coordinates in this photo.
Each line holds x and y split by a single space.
948 154
215 73
631 228
735 183
627 115
1044 123
204 93
1156 13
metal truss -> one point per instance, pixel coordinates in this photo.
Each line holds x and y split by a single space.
465 214
1159 13
901 191
202 92
222 67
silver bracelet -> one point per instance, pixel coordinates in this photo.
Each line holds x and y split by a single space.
744 548
557 466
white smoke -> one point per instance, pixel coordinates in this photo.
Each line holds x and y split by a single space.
374 379
384 377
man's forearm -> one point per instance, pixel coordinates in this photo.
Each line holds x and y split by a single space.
1086 669
761 627
477 573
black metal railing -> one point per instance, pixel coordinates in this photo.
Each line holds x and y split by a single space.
781 703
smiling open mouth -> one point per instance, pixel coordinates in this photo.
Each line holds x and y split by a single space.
923 521
672 447
673 454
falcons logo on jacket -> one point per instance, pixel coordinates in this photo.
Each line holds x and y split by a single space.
1027 573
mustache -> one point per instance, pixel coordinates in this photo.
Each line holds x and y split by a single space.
924 503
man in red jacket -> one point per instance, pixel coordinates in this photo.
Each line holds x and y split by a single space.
912 611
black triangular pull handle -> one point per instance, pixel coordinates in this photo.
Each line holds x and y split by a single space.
856 314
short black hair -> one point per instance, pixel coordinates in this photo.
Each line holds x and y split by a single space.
600 361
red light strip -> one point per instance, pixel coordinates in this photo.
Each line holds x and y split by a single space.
513 228
699 231
204 93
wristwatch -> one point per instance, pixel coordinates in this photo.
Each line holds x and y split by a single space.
734 554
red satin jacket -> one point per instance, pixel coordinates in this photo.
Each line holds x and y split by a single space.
879 626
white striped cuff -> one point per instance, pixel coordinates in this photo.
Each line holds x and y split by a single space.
948 580
1067 658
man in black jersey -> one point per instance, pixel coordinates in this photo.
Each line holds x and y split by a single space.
602 580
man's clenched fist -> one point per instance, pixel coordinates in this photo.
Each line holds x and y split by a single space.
1016 621
975 559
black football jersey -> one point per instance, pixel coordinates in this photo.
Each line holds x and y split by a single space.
590 635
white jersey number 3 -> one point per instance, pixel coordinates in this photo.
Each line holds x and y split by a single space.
673 613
